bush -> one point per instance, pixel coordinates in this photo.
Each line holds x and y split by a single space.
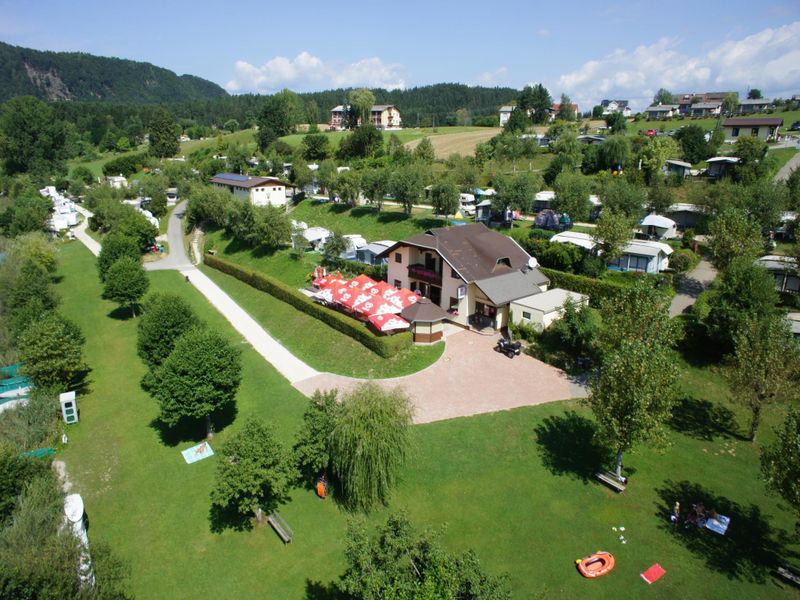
353 268
596 289
383 346
126 165
541 234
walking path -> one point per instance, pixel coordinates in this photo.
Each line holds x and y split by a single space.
80 232
786 170
693 283
499 384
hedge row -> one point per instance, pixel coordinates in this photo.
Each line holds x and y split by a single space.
385 346
126 165
596 289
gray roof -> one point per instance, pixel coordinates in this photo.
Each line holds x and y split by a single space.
424 311
374 247
710 105
551 300
752 101
661 107
679 163
512 286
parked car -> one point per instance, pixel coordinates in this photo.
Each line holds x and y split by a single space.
650 132
795 126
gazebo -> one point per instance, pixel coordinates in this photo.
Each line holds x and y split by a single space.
427 321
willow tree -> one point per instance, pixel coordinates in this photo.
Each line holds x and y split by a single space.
369 442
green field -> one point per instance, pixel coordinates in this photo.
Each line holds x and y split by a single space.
515 486
635 127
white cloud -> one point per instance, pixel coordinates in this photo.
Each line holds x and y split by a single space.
769 60
306 72
492 78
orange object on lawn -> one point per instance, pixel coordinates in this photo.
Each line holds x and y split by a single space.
322 488
596 565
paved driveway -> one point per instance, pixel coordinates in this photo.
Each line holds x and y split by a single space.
470 379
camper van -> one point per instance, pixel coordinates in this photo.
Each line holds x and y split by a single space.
467 204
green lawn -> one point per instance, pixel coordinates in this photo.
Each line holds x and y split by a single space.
635 127
782 156
515 486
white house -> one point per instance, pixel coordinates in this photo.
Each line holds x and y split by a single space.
259 191
505 114
765 128
616 106
540 310
661 111
382 116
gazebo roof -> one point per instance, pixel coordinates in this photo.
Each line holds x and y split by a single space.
424 311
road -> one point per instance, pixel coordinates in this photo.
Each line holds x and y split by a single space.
80 232
787 169
693 283
176 259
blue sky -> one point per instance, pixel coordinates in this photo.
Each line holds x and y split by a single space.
590 50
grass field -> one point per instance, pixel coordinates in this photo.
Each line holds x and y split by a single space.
515 486
635 127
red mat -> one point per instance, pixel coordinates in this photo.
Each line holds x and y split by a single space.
653 574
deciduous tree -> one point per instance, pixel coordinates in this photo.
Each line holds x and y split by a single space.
51 350
126 283
406 185
780 462
313 453
733 235
163 139
445 198
633 395
31 137
765 366
199 377
424 151
165 318
376 185
613 231
361 102
116 246
254 473
572 195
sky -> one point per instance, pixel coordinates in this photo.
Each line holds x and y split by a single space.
588 50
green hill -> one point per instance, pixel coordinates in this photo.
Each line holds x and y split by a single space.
75 76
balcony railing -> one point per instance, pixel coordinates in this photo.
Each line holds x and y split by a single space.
423 274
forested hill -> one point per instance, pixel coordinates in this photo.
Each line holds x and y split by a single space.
73 76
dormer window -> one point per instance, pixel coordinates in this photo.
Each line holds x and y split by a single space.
503 260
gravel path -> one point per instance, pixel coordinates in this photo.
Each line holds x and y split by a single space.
694 282
80 232
787 169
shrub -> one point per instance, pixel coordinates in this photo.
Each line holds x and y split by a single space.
383 346
596 289
126 165
680 261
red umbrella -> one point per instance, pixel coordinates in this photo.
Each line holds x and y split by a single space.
363 281
349 296
377 306
379 288
329 280
386 323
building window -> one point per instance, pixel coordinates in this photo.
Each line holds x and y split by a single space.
638 263
396 283
754 132
398 258
453 273
453 307
526 315
735 132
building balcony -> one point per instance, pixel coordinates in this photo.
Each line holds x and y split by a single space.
420 273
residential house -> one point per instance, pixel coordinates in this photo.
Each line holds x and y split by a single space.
677 166
643 256
750 106
382 116
661 111
718 166
505 114
687 100
784 270
705 109
765 128
540 310
470 271
259 191
615 106
557 107
656 227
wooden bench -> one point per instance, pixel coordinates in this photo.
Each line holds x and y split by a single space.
789 574
281 527
611 480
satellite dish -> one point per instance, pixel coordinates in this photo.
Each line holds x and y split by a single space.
533 263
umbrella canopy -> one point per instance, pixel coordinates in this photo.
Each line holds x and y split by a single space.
385 323
325 294
376 306
363 281
329 280
379 288
349 297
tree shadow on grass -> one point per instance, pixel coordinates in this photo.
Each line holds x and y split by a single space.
191 429
749 550
338 208
392 217
124 313
704 420
362 211
567 446
695 347
316 590
221 518
430 222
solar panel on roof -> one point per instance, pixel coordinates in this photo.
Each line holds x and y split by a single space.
233 177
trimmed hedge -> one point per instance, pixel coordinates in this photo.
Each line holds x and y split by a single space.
126 165
596 289
385 346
